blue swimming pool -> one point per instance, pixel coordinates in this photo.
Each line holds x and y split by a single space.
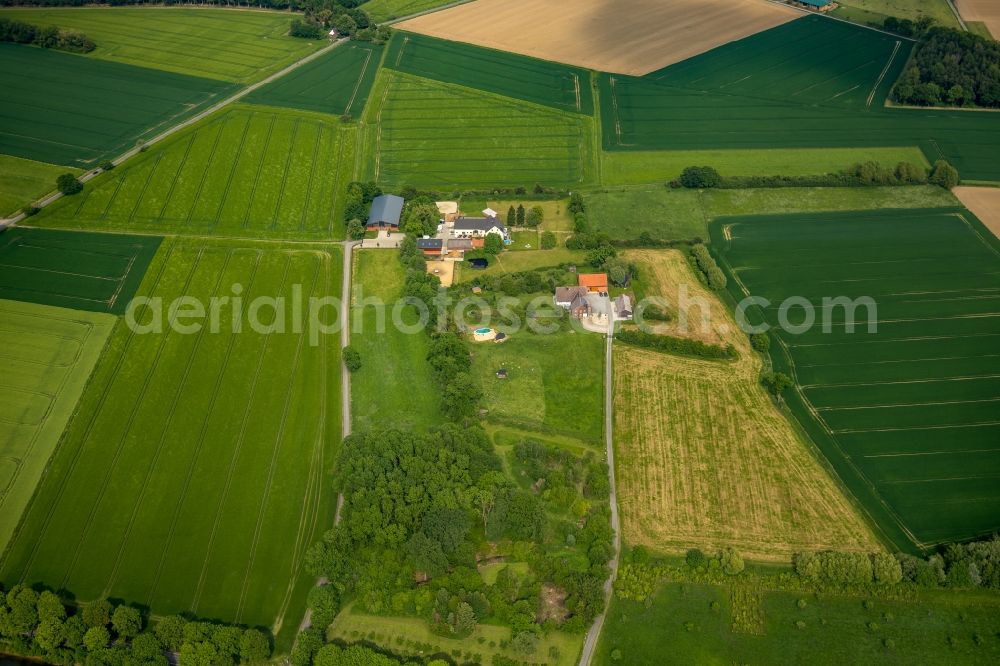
483 331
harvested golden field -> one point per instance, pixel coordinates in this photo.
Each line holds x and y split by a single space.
635 37
984 202
704 459
983 11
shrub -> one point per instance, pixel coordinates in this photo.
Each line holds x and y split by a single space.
695 558
30 210
548 240
671 345
944 175
107 165
68 184
700 177
305 29
714 276
352 358
760 342
732 561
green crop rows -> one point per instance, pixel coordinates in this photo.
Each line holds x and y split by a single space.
48 354
215 43
907 414
336 82
432 134
750 94
94 272
562 87
192 477
249 171
65 109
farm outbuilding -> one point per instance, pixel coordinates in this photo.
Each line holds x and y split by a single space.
594 282
431 247
385 212
817 5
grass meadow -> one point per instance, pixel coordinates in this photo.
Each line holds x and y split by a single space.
337 82
875 11
224 44
194 474
436 135
93 272
683 214
248 171
907 413
23 181
48 355
703 458
394 387
750 95
696 623
102 108
554 382
387 10
561 87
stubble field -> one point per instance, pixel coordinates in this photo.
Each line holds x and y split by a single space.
249 171
193 477
703 457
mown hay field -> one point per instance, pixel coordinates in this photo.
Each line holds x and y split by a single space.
394 387
907 413
984 202
224 44
984 12
65 109
94 272
751 95
436 135
248 171
23 181
336 82
595 34
547 83
48 355
703 457
193 476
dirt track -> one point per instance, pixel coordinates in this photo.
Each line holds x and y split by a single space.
984 202
643 36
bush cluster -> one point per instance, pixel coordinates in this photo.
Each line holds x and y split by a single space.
705 262
49 37
864 174
671 345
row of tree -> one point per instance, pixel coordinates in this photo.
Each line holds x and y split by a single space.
48 37
863 174
672 345
40 624
951 68
706 264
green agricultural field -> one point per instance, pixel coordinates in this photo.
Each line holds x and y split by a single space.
248 171
394 387
907 414
225 44
387 10
48 355
23 181
437 135
553 382
194 474
750 95
336 82
101 108
684 214
562 87
642 167
875 11
94 272
695 624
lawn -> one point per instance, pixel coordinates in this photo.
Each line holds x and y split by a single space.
411 635
94 272
703 458
875 11
23 181
936 628
247 171
750 95
224 44
551 84
388 10
636 168
195 472
48 356
336 82
554 382
905 413
513 262
555 215
684 214
394 387
437 135
102 109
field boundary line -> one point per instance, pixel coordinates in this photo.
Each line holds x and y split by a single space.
76 454
159 446
110 469
279 440
284 174
357 84
256 178
187 479
885 71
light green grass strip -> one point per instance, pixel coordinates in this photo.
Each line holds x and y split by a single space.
48 355
23 181
633 168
